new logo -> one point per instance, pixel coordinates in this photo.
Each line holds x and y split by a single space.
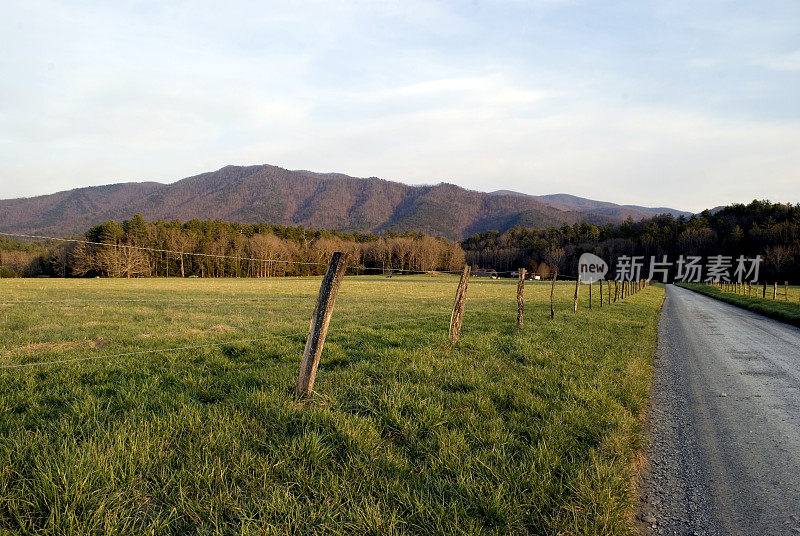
591 268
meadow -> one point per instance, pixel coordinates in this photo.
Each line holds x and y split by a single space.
536 431
785 307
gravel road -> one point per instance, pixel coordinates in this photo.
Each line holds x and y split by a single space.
724 433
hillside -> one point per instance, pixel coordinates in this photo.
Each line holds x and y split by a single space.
279 196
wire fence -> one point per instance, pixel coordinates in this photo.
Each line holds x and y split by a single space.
336 270
342 317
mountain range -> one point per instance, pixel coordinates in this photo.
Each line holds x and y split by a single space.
265 193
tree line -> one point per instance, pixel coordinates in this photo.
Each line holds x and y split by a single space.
771 230
216 248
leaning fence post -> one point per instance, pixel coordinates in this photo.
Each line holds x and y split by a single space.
458 305
320 320
608 285
552 290
577 286
520 298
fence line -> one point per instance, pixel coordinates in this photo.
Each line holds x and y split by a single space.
455 316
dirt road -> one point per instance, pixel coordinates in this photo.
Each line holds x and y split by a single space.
724 440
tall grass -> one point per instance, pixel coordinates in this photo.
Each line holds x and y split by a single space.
529 432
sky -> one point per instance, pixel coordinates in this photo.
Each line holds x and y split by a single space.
687 104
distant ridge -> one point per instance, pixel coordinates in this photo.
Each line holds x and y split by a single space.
569 202
270 194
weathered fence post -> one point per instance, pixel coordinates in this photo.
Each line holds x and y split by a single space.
601 293
786 291
577 286
590 293
552 290
616 290
774 290
320 320
458 305
520 298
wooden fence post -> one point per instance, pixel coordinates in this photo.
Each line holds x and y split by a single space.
520 298
786 291
552 290
601 293
616 290
590 293
577 286
774 290
320 320
457 315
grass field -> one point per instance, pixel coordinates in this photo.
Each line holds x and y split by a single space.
780 308
531 432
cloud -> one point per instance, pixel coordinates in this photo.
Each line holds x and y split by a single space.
649 106
783 62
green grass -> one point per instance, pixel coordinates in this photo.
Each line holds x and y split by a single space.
530 432
780 308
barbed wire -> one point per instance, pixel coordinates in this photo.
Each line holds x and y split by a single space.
214 344
158 250
153 300
385 269
215 255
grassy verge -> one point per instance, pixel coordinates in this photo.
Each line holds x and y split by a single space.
535 431
779 309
